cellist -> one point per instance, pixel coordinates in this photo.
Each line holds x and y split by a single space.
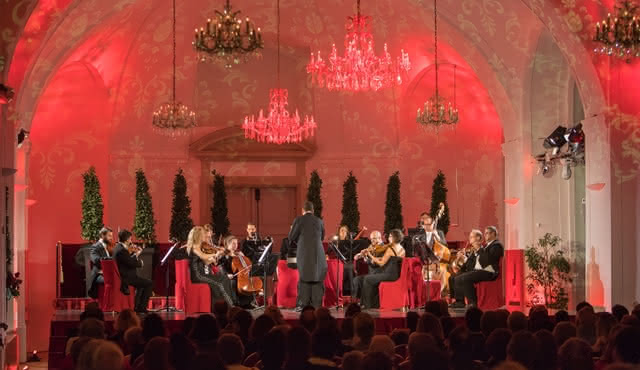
226 263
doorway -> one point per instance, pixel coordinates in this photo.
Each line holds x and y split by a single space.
272 208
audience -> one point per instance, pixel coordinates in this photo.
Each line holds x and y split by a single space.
487 340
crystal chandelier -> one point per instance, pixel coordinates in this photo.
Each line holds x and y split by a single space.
226 39
173 118
278 126
619 37
437 112
360 69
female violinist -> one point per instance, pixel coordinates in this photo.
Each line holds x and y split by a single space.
202 257
231 264
349 245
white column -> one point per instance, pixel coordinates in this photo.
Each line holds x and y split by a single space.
20 241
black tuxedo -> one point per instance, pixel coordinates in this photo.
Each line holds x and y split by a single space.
487 256
96 255
307 232
127 266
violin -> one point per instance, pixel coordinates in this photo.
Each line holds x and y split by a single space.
375 250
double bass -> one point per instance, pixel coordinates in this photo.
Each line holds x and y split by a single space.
439 271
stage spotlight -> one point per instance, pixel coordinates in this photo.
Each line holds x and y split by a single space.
547 169
6 94
556 139
22 136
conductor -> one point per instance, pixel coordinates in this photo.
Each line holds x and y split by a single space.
307 232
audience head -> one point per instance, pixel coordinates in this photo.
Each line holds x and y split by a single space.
575 354
273 349
205 329
399 336
384 344
561 316
152 326
324 343
92 328
352 310
604 324
430 324
85 358
420 342
509 365
503 317
298 344
636 311
582 305
517 321
352 360
220 310
230 349
208 361
364 327
432 358
308 318
307 207
564 331
77 347
377 361
619 311
261 327
547 356
133 338
182 352
539 319
631 320
626 345
459 345
156 353
125 320
496 345
108 356
346 328
274 313
522 348
187 325
434 308
472 318
412 320
241 323
92 310
448 324
489 322
586 324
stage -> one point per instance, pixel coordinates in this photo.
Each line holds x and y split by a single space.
64 320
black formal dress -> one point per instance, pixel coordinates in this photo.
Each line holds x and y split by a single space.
219 283
366 287
490 255
243 300
307 232
127 265
96 255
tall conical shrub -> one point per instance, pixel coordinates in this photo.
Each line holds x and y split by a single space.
92 206
314 193
144 224
439 195
181 222
219 211
350 212
393 207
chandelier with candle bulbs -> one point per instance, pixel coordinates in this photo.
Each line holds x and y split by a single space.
278 126
360 69
620 36
228 38
437 113
173 118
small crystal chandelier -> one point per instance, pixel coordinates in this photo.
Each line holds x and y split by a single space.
619 37
279 126
173 118
360 69
226 39
437 112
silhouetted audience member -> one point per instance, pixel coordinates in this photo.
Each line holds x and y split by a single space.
125 320
352 360
503 317
273 350
241 325
547 357
430 324
107 356
400 336
187 325
352 310
582 305
259 329
489 322
433 307
77 348
432 358
561 316
419 343
298 342
586 324
460 349
324 346
89 327
619 311
631 320
517 322
523 349
152 326
383 344
231 351
472 319
539 319
346 330
275 314
220 312
448 324
364 328
134 343
564 331
182 352
376 361
208 361
604 325
496 346
85 358
156 354
308 318
625 345
412 320
575 354
205 333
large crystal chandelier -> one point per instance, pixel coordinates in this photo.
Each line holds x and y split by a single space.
619 37
278 126
437 112
173 118
360 69
227 39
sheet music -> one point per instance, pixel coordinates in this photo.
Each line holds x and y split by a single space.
264 253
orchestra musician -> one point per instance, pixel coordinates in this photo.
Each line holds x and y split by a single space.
390 263
253 247
426 223
199 263
486 268
376 240
99 251
127 257
465 259
226 262
349 246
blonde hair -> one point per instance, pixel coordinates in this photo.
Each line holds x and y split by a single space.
477 233
228 240
196 238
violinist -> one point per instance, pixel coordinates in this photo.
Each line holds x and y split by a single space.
376 241
389 270
226 263
99 251
200 263
465 259
127 257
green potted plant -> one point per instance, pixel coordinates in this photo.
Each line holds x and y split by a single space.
550 270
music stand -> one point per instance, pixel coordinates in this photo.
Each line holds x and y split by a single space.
264 261
340 258
165 259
